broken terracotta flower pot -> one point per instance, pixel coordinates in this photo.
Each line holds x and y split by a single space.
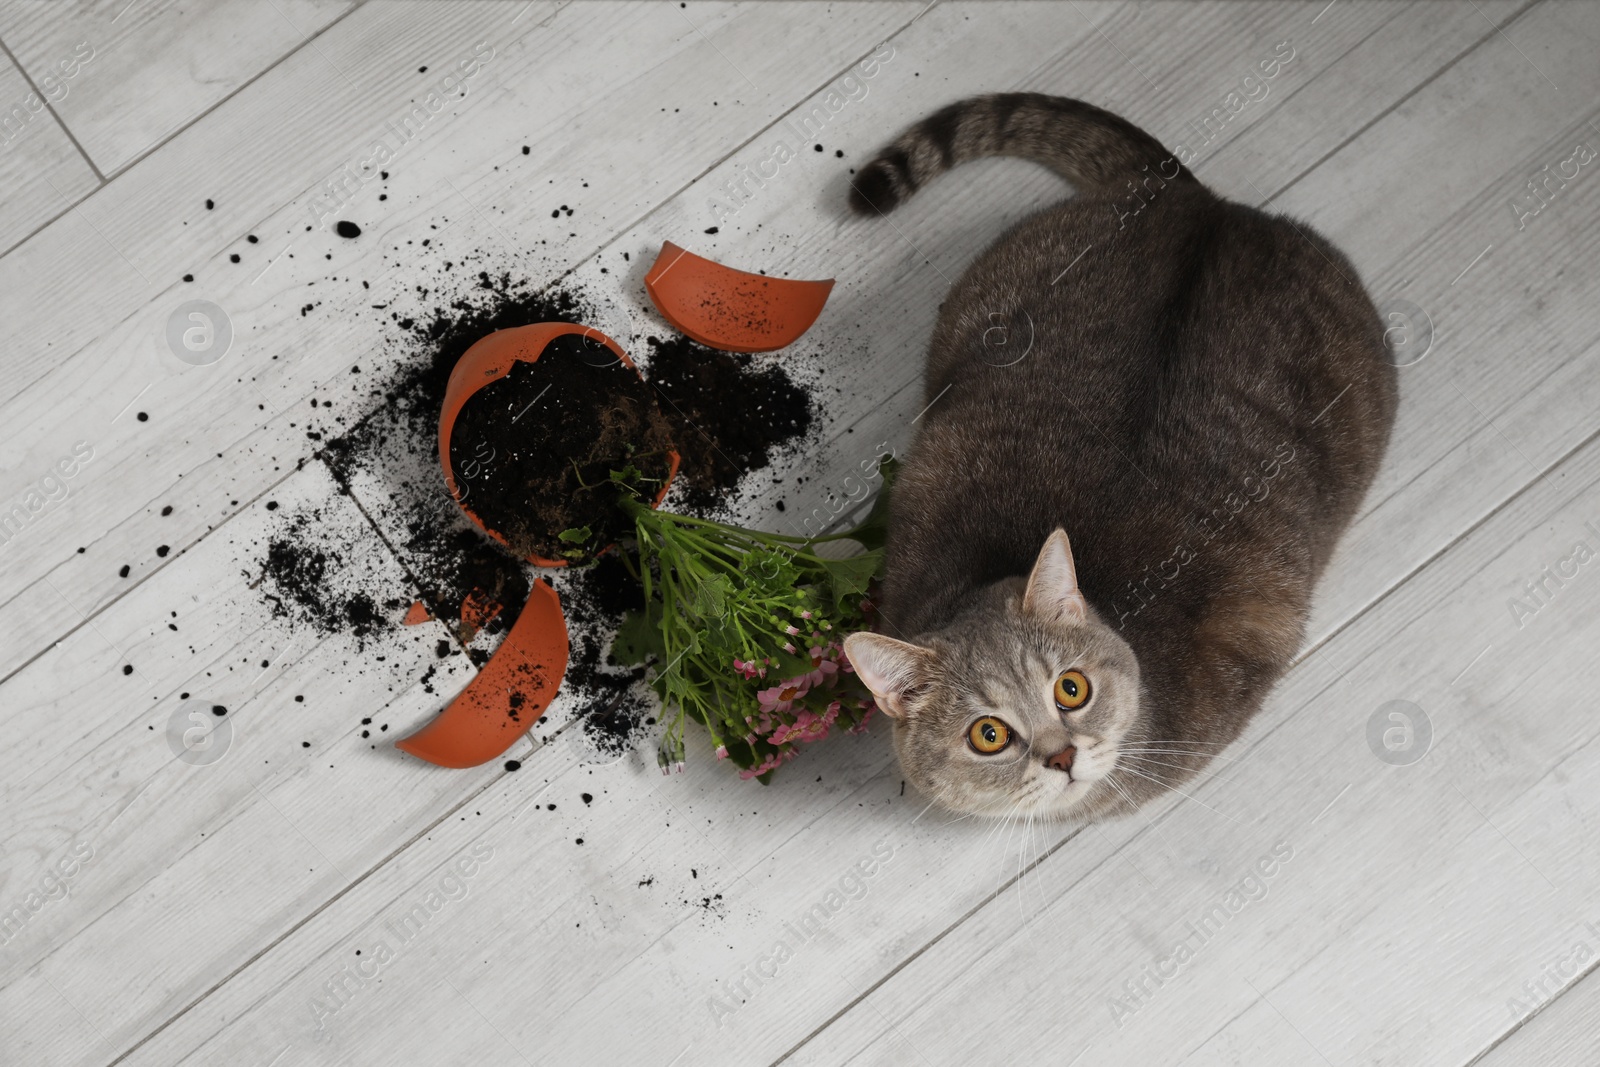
491 359
732 310
520 680
509 694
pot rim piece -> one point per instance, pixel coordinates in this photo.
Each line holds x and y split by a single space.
732 310
476 726
491 358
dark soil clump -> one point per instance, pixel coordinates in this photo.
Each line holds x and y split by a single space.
533 451
614 707
311 578
729 415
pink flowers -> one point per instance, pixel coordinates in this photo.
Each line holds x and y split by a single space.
807 726
822 670
867 708
819 694
771 763
749 669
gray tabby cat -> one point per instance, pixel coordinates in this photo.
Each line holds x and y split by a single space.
1202 400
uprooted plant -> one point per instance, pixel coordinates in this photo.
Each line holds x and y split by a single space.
743 630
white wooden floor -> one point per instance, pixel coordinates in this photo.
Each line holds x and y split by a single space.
253 910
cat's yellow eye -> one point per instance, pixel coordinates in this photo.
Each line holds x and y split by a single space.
1072 690
988 735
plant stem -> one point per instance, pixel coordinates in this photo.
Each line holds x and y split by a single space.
634 507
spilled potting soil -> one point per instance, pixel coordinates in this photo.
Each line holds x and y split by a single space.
727 415
311 574
532 452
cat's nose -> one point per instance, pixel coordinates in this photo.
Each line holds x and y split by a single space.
1062 761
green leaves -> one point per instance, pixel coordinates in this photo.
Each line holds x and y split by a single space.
578 537
771 571
786 665
639 639
673 681
708 599
848 578
718 595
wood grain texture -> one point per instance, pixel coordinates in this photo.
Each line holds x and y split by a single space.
126 74
1563 1030
210 583
41 171
221 913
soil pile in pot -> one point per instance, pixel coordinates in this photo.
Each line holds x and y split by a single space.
533 452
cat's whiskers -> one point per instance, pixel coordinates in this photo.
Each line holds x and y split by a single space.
1133 805
1111 780
1179 766
993 833
1002 834
949 803
963 815
1184 773
1177 741
1181 752
1023 869
1175 789
1017 812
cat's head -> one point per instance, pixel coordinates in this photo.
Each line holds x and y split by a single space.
1019 705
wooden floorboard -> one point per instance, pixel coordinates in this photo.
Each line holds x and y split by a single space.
128 74
223 905
1558 1021
41 170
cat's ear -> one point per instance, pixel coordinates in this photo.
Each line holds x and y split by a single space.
1053 593
889 667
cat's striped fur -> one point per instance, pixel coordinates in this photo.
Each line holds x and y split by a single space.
1203 401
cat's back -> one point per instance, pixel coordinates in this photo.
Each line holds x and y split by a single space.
1127 367
1193 292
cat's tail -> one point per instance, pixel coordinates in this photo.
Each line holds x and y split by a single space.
1096 151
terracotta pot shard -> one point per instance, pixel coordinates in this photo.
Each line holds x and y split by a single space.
509 694
732 310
